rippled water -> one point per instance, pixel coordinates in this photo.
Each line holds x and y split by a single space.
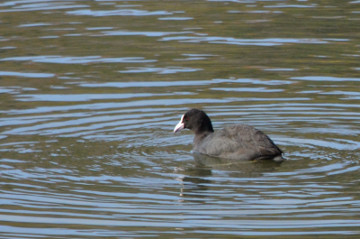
91 90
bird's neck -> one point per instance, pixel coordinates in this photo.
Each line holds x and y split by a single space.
205 127
199 136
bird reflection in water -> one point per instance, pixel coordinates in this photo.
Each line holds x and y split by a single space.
197 180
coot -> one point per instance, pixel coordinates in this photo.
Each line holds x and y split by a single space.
238 142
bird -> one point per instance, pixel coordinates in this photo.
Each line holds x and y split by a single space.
235 142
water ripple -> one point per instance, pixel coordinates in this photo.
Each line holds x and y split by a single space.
26 74
91 92
117 12
249 42
83 97
164 70
38 5
77 59
142 33
183 83
325 78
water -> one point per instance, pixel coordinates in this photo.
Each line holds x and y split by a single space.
90 92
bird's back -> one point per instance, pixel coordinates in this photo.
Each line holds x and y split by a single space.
242 142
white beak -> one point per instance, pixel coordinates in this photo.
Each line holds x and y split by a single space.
180 125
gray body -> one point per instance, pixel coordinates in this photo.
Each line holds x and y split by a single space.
237 142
